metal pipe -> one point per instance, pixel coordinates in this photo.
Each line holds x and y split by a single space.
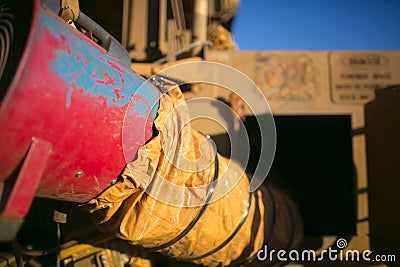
200 19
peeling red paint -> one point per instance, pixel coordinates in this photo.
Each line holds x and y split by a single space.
115 66
87 134
117 93
79 57
107 81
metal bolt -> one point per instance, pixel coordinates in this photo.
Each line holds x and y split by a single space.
113 182
79 174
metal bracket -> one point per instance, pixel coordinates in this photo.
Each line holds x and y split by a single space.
19 190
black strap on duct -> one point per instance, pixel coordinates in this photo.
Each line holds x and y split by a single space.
201 212
270 230
229 239
198 215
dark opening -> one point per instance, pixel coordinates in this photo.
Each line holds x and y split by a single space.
314 165
15 21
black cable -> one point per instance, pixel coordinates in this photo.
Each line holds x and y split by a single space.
365 219
358 131
58 245
44 252
362 190
198 215
229 239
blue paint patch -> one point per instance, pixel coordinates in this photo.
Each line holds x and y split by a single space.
85 68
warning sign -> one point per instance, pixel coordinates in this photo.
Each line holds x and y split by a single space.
356 75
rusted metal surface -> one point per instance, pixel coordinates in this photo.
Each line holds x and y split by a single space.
70 93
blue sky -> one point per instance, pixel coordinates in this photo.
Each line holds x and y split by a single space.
318 25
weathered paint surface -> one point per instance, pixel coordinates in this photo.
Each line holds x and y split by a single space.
70 93
92 71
